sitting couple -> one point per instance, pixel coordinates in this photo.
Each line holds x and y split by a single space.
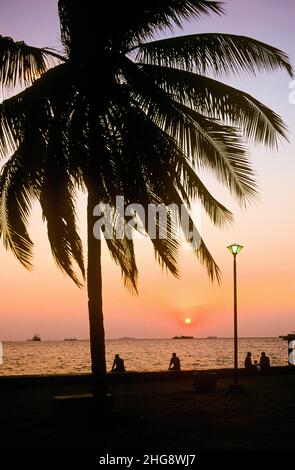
264 362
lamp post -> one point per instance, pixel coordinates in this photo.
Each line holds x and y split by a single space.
236 388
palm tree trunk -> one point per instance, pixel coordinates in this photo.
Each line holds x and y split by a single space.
94 290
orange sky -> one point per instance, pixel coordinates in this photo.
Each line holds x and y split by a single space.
46 302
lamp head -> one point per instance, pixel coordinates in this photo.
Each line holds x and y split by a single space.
235 248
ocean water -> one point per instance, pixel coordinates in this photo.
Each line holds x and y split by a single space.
73 357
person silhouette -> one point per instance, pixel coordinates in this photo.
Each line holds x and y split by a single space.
118 364
174 362
248 361
264 361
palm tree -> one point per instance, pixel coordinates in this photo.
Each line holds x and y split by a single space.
120 113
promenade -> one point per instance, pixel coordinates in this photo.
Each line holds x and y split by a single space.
151 411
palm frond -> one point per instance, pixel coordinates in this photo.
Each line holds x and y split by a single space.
206 259
33 107
16 197
219 148
121 248
57 199
215 53
204 141
193 237
64 240
191 187
167 162
136 180
198 246
21 64
154 170
219 101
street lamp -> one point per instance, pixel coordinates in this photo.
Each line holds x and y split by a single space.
235 249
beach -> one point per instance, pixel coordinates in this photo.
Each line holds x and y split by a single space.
154 415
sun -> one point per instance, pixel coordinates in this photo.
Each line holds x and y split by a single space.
188 321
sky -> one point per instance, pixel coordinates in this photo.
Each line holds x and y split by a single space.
44 301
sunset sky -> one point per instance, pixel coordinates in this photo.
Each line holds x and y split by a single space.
44 301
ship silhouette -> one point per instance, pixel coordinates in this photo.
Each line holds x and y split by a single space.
35 338
183 337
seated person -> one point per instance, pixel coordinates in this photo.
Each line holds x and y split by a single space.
248 361
118 364
174 362
264 361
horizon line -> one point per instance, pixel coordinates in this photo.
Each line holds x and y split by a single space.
138 338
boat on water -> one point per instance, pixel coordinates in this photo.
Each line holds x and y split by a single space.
70 339
211 337
35 338
183 337
126 338
289 337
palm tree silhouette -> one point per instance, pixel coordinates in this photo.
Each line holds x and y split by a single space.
120 113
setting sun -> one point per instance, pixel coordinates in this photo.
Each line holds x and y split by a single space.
188 321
